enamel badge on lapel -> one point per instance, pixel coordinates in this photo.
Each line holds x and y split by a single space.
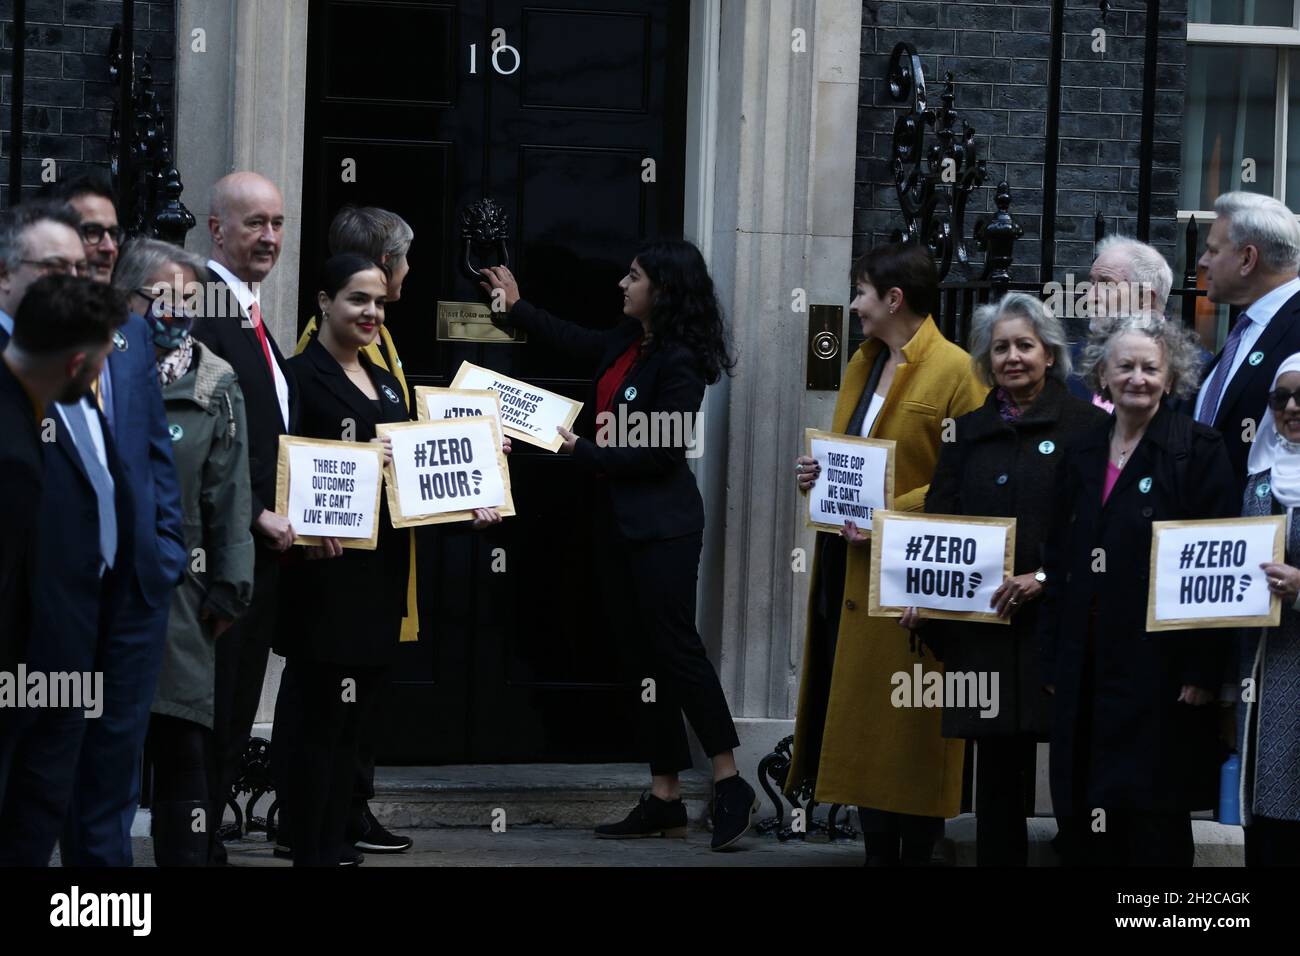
629 394
1255 358
1262 489
1144 485
119 341
176 432
1047 447
389 393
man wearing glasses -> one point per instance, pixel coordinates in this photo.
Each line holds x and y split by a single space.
38 239
107 789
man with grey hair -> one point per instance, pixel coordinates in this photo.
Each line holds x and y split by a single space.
1250 261
1127 276
246 226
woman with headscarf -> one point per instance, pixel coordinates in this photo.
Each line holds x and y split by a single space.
1268 729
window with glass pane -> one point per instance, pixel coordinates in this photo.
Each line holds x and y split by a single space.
1231 95
1255 13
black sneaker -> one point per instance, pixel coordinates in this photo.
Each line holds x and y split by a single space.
651 817
733 808
375 839
350 857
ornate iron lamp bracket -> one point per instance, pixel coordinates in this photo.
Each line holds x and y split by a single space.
933 183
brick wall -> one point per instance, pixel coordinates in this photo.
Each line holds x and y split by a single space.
67 108
999 54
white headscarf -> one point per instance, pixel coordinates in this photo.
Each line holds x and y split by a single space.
1270 451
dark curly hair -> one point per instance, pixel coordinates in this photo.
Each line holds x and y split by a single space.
686 310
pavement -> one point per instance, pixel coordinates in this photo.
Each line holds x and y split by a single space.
551 846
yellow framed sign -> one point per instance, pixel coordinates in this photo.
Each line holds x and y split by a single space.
439 404
330 489
945 566
1207 573
528 413
441 471
857 477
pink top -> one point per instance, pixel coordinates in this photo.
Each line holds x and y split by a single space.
1112 476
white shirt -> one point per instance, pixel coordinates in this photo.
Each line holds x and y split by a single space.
247 297
873 411
1261 312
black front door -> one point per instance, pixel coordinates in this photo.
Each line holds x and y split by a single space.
550 109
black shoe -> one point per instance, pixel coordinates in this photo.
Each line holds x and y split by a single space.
733 808
374 838
282 849
651 817
350 857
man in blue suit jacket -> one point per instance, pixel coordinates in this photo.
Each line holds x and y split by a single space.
107 791
83 552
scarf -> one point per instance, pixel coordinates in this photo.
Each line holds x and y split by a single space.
176 363
1273 453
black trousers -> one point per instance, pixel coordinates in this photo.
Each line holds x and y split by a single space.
288 732
649 589
322 767
1130 838
894 839
1004 798
242 652
179 751
1273 842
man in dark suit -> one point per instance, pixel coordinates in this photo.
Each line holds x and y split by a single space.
107 791
247 230
1251 257
48 363
83 554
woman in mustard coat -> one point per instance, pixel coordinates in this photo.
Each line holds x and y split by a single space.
851 744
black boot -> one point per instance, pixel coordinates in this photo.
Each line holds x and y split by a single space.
734 806
651 817
175 840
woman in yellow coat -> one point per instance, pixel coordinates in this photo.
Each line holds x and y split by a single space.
852 746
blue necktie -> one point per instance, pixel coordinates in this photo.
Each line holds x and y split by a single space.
100 479
1214 391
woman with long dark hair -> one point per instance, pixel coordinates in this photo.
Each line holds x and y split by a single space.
650 517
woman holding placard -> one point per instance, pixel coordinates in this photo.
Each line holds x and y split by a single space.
344 607
650 519
1004 461
1268 733
1133 740
205 415
852 746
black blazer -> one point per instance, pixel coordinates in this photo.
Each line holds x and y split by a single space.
20 497
652 490
1146 750
1008 470
71 600
1245 397
346 610
229 334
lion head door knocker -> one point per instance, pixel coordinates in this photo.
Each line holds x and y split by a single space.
482 224
483 231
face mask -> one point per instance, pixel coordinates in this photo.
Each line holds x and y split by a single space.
169 333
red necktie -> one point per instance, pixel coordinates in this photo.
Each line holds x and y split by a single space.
255 312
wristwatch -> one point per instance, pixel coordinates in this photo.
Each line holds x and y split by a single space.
1040 576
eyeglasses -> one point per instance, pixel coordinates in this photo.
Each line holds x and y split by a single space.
93 233
1280 397
47 266
162 306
